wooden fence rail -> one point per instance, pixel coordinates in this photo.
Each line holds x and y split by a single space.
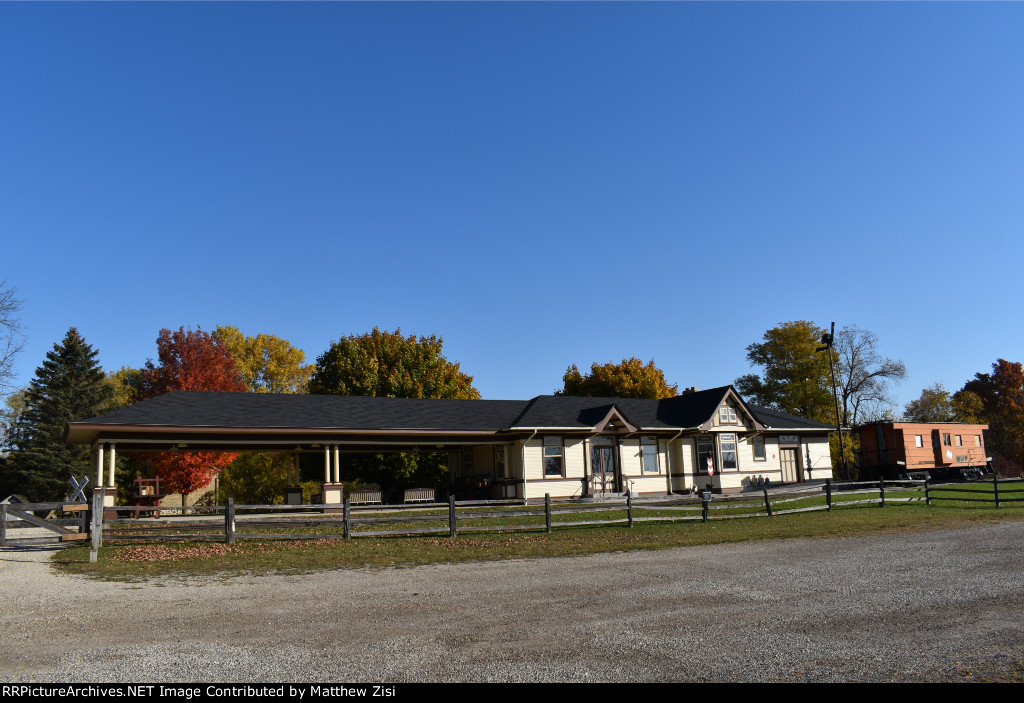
283 522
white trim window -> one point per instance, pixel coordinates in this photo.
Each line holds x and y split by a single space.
554 466
649 455
758 444
727 415
727 449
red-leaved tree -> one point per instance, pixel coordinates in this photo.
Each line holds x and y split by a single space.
190 360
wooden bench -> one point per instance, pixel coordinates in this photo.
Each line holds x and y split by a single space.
418 495
365 497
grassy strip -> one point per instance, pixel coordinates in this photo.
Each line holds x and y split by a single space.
142 561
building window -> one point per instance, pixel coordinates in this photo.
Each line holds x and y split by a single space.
467 460
959 441
649 454
977 440
918 440
946 441
727 445
553 465
727 415
705 452
758 443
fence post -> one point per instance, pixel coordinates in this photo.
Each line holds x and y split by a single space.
97 526
927 494
629 507
547 512
828 495
767 504
347 512
995 486
3 524
881 490
229 521
703 509
452 530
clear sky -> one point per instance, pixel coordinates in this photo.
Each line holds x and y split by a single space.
540 184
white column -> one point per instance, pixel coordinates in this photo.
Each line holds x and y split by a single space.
110 473
327 464
99 465
337 464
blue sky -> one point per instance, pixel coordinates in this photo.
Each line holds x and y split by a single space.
540 184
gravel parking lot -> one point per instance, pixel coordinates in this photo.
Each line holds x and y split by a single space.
933 606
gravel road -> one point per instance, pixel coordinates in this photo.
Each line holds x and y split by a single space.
933 606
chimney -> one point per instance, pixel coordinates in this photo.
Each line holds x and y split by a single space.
691 389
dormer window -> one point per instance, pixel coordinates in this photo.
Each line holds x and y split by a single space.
727 415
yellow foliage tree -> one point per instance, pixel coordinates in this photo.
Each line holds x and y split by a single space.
630 378
266 363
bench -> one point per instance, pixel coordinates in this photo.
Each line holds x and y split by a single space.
418 495
365 497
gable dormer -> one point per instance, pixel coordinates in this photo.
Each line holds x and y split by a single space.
732 413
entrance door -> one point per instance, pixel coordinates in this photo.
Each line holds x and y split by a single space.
790 459
602 462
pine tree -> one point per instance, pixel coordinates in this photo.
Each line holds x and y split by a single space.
68 386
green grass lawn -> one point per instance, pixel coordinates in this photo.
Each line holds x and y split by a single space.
140 560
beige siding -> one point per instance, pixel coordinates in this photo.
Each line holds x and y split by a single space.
557 488
533 459
574 458
629 457
649 484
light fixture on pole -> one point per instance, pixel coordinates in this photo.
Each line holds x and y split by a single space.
828 339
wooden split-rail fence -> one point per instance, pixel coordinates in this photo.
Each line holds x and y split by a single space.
230 522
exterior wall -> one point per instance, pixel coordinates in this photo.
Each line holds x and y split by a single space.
631 465
812 454
575 458
573 464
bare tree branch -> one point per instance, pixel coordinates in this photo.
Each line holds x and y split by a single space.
12 339
863 375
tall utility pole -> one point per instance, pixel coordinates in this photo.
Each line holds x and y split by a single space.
828 339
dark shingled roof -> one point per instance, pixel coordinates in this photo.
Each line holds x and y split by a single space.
776 419
295 410
209 409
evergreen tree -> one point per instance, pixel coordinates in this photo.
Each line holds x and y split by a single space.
69 385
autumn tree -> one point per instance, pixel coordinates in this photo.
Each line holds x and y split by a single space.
796 379
933 405
126 387
1001 394
630 378
190 360
266 363
68 386
388 364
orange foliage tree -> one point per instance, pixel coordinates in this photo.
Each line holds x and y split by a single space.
190 360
